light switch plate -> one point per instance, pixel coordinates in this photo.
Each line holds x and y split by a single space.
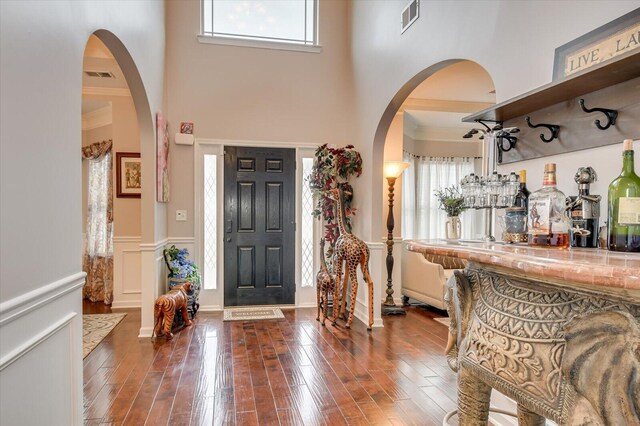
181 215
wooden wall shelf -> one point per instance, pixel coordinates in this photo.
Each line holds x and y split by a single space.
615 71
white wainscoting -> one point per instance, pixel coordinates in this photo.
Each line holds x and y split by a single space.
378 253
41 355
127 272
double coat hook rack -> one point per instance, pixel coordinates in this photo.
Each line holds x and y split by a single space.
553 128
611 114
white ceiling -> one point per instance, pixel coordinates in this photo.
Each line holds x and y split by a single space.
438 119
97 57
96 49
90 105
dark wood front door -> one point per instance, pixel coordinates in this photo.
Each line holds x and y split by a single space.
259 226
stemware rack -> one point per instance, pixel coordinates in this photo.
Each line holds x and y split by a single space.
490 192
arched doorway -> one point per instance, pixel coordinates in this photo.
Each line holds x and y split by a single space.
423 125
133 133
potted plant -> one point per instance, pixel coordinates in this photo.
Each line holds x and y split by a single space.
451 201
182 269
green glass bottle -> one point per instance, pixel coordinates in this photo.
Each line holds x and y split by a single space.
624 206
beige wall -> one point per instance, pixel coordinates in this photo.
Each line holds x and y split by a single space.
46 120
42 45
126 138
252 94
513 41
442 149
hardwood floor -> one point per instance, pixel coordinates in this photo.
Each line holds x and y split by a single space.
271 372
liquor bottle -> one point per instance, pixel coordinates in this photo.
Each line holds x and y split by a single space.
548 223
624 206
584 210
522 197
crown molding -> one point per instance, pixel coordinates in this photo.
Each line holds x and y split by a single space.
105 91
415 104
98 118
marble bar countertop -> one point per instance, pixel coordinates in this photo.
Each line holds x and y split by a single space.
600 270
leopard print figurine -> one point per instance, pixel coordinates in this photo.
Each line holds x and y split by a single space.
352 251
166 307
325 283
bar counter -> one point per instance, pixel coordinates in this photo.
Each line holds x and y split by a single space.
557 330
614 273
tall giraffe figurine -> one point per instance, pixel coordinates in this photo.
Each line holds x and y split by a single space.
325 283
353 251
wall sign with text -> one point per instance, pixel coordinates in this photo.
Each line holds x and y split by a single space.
600 45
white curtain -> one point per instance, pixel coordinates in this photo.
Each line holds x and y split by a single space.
421 217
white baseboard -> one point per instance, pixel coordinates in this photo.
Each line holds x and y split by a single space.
145 332
362 313
132 304
210 308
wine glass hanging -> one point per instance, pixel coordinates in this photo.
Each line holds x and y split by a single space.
495 191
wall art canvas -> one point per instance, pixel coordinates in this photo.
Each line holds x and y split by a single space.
162 159
128 175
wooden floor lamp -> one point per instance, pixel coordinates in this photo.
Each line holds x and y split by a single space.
392 171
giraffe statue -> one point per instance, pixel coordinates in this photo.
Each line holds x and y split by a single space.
353 252
325 283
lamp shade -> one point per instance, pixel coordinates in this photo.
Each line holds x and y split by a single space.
394 168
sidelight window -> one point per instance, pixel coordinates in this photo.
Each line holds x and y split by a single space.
307 225
210 219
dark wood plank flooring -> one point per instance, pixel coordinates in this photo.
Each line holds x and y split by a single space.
272 372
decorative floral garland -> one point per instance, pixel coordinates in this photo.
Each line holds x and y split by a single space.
332 168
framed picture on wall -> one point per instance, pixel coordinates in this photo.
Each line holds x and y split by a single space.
128 175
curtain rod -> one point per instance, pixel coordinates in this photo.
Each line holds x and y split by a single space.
443 157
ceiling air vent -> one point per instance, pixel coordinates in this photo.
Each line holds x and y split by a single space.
100 74
410 14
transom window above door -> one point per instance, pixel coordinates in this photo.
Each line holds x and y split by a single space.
280 22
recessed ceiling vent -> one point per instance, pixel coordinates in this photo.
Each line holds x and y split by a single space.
410 15
100 74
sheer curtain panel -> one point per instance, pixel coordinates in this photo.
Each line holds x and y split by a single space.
421 216
98 250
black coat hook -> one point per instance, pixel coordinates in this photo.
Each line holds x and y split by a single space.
504 144
555 130
610 113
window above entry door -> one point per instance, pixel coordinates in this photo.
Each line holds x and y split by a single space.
270 24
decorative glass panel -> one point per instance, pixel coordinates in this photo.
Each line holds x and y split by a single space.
210 221
307 225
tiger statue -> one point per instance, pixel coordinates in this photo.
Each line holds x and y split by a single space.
166 307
